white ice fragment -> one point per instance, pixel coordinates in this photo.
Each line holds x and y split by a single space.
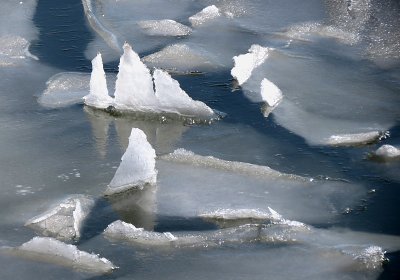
98 96
178 57
207 14
270 93
50 250
235 214
120 230
172 98
63 221
246 63
137 167
372 257
354 139
64 89
165 27
387 152
134 85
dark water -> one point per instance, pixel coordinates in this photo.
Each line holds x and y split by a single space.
63 38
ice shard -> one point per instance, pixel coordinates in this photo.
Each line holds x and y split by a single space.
205 15
46 249
98 96
134 85
172 98
137 167
387 152
65 220
246 63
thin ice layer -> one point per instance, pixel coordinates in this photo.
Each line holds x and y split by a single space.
205 15
190 184
65 220
98 96
134 85
46 249
172 98
246 63
164 27
137 166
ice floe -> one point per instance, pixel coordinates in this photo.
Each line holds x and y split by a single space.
65 220
387 152
246 63
356 138
46 249
165 27
204 183
137 168
205 15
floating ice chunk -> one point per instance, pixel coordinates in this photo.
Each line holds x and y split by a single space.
137 167
246 63
387 152
134 85
50 250
65 220
355 139
165 27
98 96
270 93
120 230
205 15
188 157
64 89
173 98
12 49
179 57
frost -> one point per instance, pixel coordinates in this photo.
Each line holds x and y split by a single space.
137 166
246 63
205 15
165 27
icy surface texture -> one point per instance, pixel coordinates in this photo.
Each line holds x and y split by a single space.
64 89
236 185
246 63
120 230
64 221
388 152
354 139
181 58
13 49
50 250
205 15
172 98
134 86
165 27
98 96
137 166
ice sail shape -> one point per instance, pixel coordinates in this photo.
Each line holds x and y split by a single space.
270 93
246 63
208 13
65 220
134 86
173 98
50 250
98 96
137 167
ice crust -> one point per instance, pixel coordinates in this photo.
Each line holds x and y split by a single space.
64 221
134 90
354 139
137 166
246 63
388 152
46 249
205 15
165 27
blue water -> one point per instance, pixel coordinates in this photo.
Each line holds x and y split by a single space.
62 140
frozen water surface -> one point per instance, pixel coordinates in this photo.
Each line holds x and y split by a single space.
304 192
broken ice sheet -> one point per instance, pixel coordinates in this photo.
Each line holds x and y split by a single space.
344 101
63 221
49 250
189 184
